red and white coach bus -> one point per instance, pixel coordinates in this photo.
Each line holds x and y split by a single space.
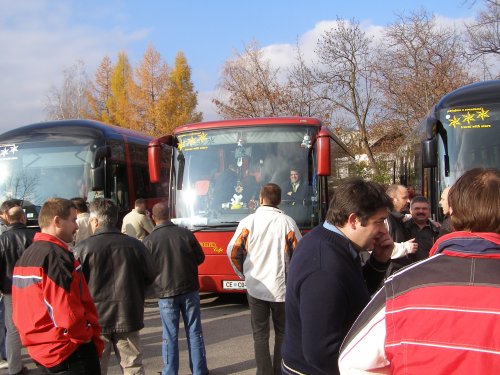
75 158
217 169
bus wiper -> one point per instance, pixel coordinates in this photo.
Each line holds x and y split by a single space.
224 224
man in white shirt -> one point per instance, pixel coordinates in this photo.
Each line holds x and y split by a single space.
259 253
137 222
82 219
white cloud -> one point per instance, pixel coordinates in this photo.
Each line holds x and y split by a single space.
283 55
206 106
38 41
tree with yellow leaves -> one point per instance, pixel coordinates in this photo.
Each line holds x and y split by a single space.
180 100
119 103
147 94
99 92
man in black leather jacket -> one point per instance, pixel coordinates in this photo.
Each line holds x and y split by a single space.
177 255
118 268
13 241
403 243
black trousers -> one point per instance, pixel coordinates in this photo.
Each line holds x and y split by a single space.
83 361
260 312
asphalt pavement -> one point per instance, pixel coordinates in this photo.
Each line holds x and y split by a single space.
227 333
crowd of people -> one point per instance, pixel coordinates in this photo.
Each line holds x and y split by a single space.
378 287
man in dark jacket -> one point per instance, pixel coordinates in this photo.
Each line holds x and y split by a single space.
4 222
118 268
327 287
296 189
13 242
403 243
421 228
177 255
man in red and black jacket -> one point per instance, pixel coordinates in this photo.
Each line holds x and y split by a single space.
52 307
440 315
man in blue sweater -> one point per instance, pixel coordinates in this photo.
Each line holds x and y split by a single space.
327 286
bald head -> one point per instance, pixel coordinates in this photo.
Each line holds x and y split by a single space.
16 215
160 212
399 196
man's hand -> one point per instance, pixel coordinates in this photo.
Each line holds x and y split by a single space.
383 248
411 246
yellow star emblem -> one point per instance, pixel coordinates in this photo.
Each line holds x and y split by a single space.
468 118
455 121
202 137
482 114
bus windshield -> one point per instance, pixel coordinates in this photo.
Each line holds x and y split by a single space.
472 135
32 171
222 170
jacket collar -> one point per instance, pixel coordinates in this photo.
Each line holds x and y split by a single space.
50 238
165 224
16 226
103 230
468 245
397 215
269 208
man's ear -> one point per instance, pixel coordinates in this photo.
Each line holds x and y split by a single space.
57 221
352 220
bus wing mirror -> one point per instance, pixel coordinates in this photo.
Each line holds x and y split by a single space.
154 161
323 153
154 155
97 167
429 153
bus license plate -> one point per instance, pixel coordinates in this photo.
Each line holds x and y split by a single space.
230 284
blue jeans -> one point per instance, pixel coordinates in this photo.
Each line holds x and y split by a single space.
170 309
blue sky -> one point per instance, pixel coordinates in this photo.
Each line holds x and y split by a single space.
40 38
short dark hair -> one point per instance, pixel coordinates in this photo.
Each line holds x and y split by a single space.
105 210
7 205
160 211
139 202
54 207
271 193
80 204
419 199
354 195
474 200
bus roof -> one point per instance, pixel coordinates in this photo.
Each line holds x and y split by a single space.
484 92
249 122
108 131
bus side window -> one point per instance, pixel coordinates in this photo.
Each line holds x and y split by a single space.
117 184
140 173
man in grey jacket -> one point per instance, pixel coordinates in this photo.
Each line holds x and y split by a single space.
177 255
118 268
